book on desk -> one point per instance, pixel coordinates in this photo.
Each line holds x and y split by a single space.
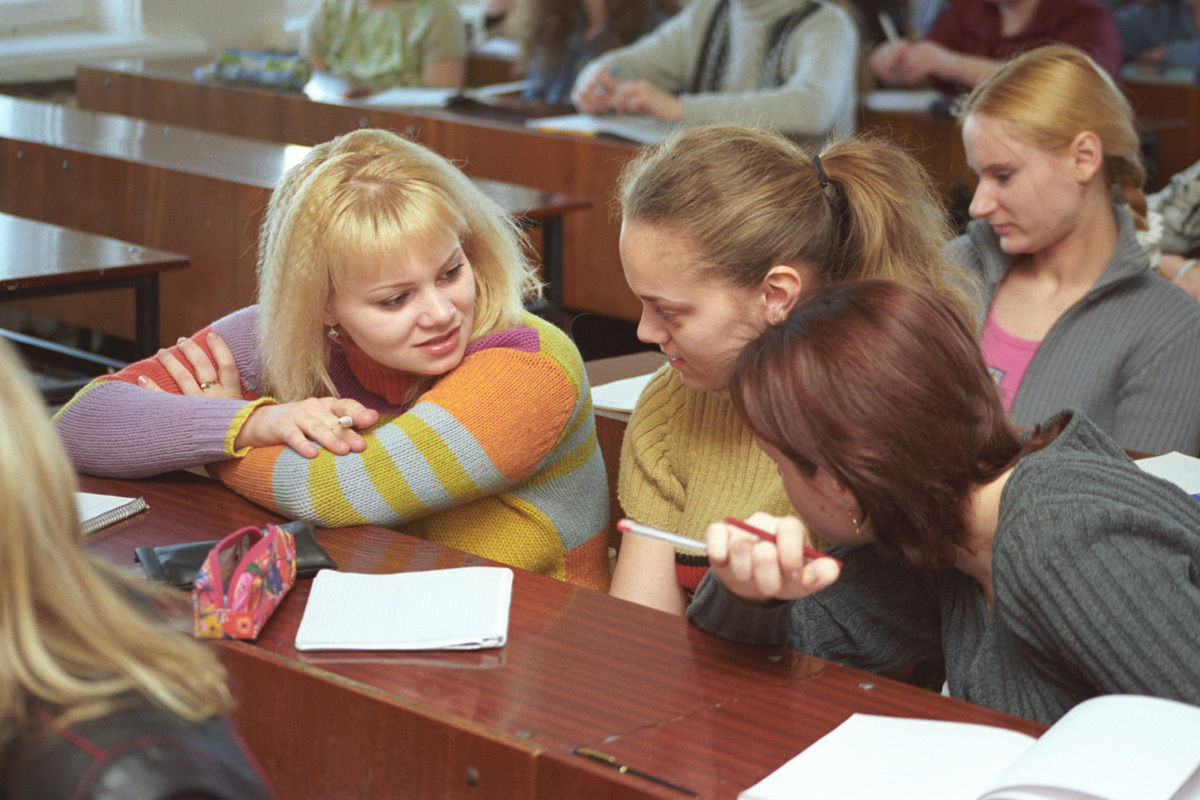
1114 747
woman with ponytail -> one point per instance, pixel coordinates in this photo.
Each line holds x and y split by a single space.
722 228
1075 315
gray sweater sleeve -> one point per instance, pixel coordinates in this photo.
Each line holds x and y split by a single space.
1102 587
817 97
877 616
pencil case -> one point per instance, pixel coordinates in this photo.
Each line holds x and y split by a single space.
177 564
262 68
242 581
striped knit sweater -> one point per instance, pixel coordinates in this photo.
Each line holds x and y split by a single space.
1127 354
687 461
1096 572
498 459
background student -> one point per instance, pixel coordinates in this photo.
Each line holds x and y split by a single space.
973 37
787 65
571 33
722 227
1160 38
1173 234
1046 570
1075 316
96 692
389 374
378 44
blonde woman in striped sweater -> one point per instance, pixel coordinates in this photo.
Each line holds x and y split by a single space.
388 375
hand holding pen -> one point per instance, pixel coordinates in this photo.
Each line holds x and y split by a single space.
756 568
764 558
594 91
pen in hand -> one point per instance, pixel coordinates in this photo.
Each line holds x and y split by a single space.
809 552
697 546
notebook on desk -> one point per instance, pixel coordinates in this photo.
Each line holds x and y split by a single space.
98 511
464 608
634 127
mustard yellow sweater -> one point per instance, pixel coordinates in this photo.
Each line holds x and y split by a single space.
687 461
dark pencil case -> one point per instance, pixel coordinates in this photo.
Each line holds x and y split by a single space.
177 564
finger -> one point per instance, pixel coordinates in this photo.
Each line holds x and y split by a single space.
717 543
227 372
331 435
202 365
790 538
768 578
182 376
741 558
296 440
148 383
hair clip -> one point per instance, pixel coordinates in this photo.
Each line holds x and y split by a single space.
827 186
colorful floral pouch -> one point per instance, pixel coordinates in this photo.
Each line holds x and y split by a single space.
241 582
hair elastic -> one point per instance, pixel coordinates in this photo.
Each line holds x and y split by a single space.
827 185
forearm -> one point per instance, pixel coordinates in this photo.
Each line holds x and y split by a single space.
964 69
119 430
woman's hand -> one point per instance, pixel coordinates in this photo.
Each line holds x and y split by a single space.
308 425
215 377
593 91
644 97
756 569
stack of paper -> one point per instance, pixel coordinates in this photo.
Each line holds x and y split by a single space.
450 609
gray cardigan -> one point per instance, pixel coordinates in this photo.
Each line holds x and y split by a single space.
817 98
1127 354
1096 572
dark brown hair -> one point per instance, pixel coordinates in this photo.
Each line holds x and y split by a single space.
553 21
883 386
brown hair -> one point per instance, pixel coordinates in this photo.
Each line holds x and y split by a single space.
749 199
883 386
1049 95
628 20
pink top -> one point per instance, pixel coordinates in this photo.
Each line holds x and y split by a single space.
1007 358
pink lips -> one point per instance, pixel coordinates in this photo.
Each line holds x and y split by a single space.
441 345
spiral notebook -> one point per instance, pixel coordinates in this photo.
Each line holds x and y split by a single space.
98 511
465 608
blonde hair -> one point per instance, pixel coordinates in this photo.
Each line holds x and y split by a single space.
349 204
69 635
749 199
1049 95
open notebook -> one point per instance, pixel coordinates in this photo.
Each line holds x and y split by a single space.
465 608
1115 747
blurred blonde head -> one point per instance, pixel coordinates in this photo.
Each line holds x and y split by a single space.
69 635
349 206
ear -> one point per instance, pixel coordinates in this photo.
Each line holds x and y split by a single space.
833 488
328 317
1087 156
781 289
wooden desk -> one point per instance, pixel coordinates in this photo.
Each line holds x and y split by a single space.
41 260
487 142
580 669
174 188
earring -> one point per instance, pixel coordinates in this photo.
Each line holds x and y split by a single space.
854 519
332 333
776 317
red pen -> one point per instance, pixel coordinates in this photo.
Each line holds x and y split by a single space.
355 94
809 552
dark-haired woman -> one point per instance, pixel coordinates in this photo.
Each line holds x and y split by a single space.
570 33
1045 570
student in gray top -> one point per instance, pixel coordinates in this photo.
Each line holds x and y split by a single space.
1044 569
1075 316
786 65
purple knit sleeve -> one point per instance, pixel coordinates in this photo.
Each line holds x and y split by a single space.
115 428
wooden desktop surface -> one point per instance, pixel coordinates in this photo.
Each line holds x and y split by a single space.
488 142
580 669
165 186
